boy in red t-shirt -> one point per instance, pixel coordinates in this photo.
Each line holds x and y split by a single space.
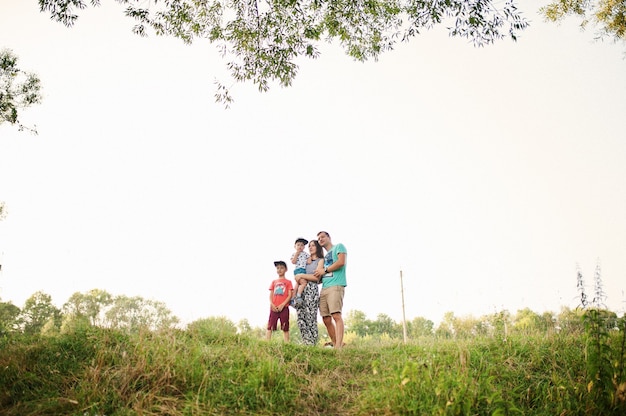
281 292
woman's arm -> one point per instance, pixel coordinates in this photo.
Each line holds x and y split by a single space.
307 277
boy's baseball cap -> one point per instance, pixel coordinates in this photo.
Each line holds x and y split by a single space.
302 240
280 263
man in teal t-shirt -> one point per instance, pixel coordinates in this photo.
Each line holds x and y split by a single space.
333 278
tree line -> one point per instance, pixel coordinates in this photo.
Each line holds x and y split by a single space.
93 308
98 308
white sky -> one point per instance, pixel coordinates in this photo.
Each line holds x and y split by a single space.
484 174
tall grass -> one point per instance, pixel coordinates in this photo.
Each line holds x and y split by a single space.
106 372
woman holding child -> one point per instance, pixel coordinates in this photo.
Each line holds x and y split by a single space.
307 311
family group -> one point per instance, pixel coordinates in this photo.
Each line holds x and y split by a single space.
310 270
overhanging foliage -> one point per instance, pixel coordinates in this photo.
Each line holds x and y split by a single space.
261 40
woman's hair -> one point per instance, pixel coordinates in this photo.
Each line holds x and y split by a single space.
318 249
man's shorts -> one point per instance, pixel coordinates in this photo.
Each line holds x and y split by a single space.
272 323
331 300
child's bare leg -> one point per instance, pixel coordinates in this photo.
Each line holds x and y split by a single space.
301 284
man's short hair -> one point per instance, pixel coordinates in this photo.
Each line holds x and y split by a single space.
325 232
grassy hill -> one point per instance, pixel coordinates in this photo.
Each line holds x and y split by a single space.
105 372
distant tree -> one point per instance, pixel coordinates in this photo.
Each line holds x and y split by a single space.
419 327
526 320
18 90
38 310
610 319
85 309
570 320
357 322
608 16
244 327
89 305
134 314
482 326
446 328
468 326
500 324
547 322
264 39
9 314
385 325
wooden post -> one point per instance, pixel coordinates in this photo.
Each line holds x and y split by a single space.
403 315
